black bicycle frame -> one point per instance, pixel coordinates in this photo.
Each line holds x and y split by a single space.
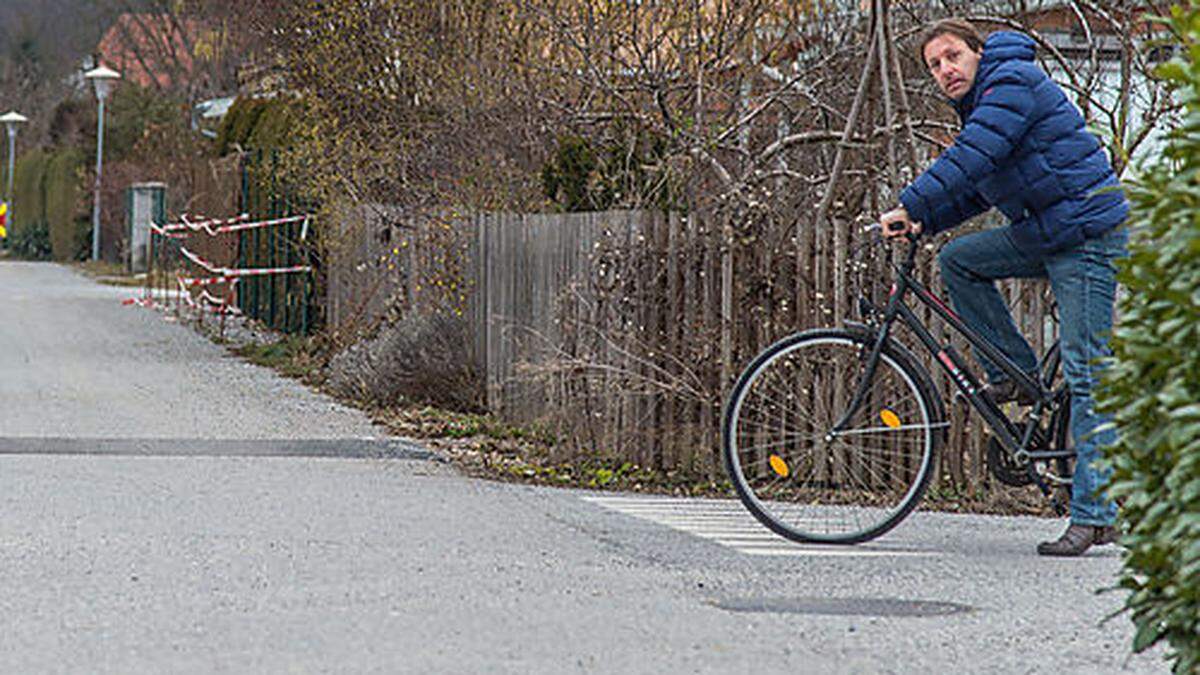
1014 439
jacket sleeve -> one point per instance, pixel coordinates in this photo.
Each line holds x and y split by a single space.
956 209
941 197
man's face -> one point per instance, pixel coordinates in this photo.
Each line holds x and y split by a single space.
952 64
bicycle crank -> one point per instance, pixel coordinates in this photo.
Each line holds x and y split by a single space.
1004 467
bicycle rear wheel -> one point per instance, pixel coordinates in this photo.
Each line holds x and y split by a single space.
807 482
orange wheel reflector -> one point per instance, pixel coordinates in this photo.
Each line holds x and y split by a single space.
779 466
890 418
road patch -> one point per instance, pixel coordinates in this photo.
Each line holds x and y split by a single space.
349 448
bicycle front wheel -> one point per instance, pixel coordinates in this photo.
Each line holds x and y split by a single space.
809 482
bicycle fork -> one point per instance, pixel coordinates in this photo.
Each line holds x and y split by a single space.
871 363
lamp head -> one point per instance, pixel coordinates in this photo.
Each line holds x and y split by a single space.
11 119
102 79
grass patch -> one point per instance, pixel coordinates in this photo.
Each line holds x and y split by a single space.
294 357
432 422
993 499
485 447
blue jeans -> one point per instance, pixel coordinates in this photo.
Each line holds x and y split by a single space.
1084 285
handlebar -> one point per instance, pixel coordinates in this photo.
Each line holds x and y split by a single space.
913 245
912 238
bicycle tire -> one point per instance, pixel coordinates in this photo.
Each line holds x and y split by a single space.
770 477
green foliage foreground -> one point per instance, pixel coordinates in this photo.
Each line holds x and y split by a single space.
1153 387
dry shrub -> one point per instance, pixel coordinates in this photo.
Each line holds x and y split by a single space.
419 357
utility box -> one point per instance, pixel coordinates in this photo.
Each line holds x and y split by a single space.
145 203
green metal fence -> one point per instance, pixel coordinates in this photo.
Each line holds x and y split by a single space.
284 302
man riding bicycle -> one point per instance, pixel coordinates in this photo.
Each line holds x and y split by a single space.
1024 149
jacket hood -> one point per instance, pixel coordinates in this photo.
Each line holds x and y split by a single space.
1007 46
1000 47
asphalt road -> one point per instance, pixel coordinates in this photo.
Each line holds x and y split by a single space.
167 508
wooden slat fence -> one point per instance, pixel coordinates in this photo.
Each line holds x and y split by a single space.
381 258
608 327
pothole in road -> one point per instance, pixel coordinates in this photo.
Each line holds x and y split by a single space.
884 607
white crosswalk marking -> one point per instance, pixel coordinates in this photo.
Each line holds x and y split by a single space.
727 522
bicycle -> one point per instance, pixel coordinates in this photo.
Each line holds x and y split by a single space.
830 435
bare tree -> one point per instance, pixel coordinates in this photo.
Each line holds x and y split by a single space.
789 127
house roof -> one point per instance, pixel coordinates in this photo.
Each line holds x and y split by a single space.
150 49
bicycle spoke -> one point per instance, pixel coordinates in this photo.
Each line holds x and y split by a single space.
764 446
842 485
890 430
793 407
751 408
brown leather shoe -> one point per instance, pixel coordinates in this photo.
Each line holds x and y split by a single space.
1107 535
1077 539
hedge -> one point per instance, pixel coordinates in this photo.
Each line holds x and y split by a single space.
29 198
67 224
262 124
1152 388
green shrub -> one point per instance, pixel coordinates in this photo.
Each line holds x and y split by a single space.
71 121
46 219
29 195
624 169
263 124
1153 387
31 242
237 124
130 112
67 226
273 127
568 178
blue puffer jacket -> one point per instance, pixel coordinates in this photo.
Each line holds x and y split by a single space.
1023 149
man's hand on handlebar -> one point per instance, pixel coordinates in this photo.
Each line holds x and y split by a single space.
896 223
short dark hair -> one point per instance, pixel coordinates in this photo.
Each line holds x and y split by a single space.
960 28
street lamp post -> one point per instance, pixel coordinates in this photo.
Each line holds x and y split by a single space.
102 79
11 120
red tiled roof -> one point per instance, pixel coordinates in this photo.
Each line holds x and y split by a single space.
149 49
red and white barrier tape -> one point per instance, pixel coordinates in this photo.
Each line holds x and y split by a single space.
161 231
213 227
266 223
216 308
206 224
193 282
248 272
265 271
197 260
214 303
225 303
